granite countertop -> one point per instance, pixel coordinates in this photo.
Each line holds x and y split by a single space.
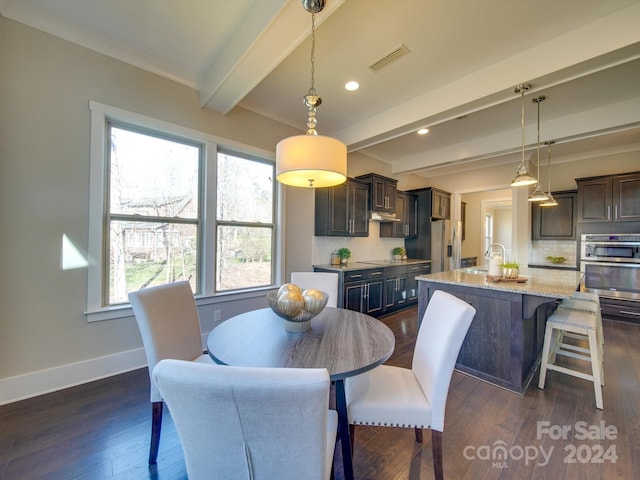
364 264
541 282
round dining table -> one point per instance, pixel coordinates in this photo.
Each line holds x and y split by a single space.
345 342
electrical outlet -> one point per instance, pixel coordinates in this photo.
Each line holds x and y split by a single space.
217 315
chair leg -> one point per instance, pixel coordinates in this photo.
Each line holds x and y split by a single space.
352 434
436 445
418 434
156 426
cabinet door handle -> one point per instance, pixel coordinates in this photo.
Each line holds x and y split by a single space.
608 212
355 276
615 212
376 273
630 313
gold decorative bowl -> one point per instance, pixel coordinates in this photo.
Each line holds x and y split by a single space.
297 314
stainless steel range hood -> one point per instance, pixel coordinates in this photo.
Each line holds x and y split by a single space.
383 216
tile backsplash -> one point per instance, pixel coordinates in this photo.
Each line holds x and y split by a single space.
541 249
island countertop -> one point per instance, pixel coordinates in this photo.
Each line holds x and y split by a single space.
541 282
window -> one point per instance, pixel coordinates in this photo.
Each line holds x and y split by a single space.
153 211
168 204
488 231
244 223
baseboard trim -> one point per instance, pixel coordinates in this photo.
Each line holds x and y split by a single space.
21 387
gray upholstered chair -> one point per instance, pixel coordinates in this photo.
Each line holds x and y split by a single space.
250 423
417 397
168 320
325 281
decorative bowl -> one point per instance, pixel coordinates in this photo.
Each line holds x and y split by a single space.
556 259
296 314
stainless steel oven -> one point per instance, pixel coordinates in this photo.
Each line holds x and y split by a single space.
611 265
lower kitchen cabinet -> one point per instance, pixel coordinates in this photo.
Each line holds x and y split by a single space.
414 271
395 288
380 289
363 291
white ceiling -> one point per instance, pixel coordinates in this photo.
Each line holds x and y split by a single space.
465 58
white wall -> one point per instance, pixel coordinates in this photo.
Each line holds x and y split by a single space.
45 88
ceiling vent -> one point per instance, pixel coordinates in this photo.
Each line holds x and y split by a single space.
389 58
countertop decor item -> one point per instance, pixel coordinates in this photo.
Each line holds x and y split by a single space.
398 253
297 307
344 253
556 259
510 270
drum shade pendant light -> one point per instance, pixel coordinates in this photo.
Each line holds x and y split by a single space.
538 194
311 160
549 202
522 175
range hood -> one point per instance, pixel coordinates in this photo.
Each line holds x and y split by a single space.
383 216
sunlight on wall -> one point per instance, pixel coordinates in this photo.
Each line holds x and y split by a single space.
71 256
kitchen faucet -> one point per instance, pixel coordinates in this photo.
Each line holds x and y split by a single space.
489 251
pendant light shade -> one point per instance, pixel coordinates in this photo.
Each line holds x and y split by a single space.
311 160
549 202
538 194
523 177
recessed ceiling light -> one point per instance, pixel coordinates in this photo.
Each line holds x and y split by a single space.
423 131
352 85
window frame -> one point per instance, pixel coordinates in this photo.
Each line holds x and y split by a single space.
233 223
98 189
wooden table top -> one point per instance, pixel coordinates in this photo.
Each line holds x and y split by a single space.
344 342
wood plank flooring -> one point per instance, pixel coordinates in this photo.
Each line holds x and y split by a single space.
101 430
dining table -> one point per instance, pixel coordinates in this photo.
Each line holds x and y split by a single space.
345 342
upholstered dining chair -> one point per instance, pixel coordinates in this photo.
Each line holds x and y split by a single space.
168 320
325 281
250 423
415 398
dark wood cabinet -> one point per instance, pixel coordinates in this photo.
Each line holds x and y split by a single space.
395 288
612 198
380 289
382 192
342 211
440 204
364 291
556 223
407 212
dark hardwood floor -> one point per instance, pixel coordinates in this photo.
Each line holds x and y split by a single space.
101 430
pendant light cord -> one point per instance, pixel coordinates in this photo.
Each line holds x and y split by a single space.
312 90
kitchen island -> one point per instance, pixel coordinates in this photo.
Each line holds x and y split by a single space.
504 342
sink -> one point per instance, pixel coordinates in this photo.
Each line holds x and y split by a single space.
477 270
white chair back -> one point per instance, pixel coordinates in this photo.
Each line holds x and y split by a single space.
444 326
168 320
250 423
325 281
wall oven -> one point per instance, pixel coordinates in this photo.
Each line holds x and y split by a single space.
611 265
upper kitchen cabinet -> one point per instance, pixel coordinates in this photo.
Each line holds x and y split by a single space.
613 198
407 213
440 204
342 211
555 223
382 192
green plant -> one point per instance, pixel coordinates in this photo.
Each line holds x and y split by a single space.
344 252
509 265
397 251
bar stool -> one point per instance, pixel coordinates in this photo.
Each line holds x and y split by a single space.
587 302
581 319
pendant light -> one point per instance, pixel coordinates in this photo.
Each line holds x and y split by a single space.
538 194
550 202
311 160
522 175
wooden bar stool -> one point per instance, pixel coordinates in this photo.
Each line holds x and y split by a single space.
583 325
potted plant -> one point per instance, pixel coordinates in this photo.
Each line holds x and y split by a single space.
510 270
344 253
398 253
